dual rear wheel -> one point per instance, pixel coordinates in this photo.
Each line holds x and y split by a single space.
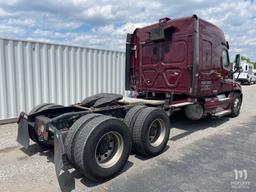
150 129
99 146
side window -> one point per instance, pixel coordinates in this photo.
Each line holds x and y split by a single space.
207 54
246 67
225 59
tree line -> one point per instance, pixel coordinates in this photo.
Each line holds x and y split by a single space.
248 60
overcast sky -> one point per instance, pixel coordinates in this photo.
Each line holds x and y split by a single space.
104 23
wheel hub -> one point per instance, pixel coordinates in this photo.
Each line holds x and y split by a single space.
103 146
236 104
156 133
109 149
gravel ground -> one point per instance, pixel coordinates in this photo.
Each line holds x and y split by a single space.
201 156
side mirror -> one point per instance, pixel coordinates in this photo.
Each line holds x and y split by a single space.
237 62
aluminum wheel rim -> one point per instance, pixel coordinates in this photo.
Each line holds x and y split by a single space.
236 104
156 133
109 149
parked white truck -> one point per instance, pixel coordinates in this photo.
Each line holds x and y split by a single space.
246 75
254 75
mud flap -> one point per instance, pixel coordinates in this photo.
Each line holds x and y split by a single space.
23 133
59 151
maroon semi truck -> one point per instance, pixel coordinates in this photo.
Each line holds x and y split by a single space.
171 65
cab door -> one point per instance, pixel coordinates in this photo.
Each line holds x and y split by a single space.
210 70
227 80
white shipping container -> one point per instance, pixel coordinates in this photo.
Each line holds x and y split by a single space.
34 72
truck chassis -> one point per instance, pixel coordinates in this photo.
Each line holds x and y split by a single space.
97 135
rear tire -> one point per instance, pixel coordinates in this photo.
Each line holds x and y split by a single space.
73 132
132 115
151 131
130 119
102 148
